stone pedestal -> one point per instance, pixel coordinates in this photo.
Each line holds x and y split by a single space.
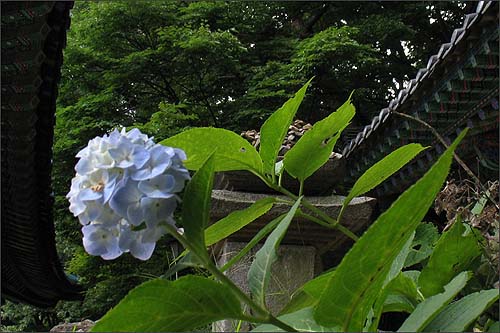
81 326
294 267
298 255
356 217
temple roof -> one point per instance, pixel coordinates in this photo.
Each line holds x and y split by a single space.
458 88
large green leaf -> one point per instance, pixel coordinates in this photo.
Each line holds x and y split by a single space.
164 306
425 239
260 270
237 220
275 128
314 148
254 241
233 152
349 295
430 308
301 320
459 315
382 170
454 252
196 206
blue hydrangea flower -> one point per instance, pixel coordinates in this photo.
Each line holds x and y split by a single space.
124 192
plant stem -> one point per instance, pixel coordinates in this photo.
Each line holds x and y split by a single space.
333 223
316 220
264 315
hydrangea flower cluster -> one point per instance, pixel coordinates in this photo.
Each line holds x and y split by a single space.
124 192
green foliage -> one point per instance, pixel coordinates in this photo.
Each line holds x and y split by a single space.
237 220
425 239
168 121
454 252
230 151
254 241
350 293
458 316
495 327
196 210
161 305
382 170
402 295
309 294
301 320
276 127
260 270
316 145
430 308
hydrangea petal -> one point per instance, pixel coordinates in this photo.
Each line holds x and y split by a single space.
157 210
159 187
140 156
135 214
142 251
89 194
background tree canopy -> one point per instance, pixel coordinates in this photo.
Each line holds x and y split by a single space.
166 66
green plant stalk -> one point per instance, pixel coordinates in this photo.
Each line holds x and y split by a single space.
331 222
264 315
301 188
316 220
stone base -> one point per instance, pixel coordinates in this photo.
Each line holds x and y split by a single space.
81 326
357 216
294 267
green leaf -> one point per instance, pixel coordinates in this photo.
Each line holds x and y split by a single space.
398 303
479 206
314 148
349 295
425 239
398 263
254 241
459 315
307 295
260 270
301 320
402 295
454 252
278 168
275 128
382 170
237 220
387 292
430 308
187 260
233 152
196 207
164 306
495 327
